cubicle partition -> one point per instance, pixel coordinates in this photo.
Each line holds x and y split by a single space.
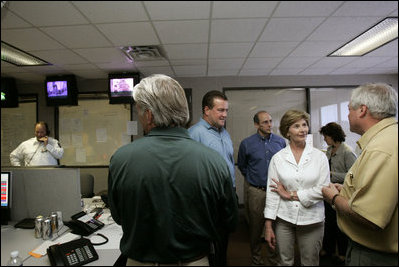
41 190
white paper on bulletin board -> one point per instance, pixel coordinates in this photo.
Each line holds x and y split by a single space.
95 128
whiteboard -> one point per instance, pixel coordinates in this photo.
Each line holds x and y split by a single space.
17 125
92 131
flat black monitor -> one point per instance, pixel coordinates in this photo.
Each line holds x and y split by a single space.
9 93
61 90
6 177
120 87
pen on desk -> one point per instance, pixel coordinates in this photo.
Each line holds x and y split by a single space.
98 215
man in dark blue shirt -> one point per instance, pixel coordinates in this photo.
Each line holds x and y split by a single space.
254 155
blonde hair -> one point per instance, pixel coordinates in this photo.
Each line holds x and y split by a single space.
289 118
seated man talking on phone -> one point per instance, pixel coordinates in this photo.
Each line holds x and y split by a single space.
40 150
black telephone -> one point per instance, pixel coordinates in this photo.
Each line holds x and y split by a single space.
85 227
74 253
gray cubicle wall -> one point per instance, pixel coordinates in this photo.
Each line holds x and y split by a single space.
41 190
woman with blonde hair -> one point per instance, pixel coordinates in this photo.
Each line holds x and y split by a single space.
294 202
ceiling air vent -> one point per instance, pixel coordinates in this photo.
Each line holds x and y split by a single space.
142 53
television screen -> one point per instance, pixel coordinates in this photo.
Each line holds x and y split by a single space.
9 93
61 91
57 89
120 87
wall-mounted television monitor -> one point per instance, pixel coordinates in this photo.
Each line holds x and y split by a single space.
120 87
5 196
61 90
9 93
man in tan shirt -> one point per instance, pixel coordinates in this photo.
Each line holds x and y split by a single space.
367 202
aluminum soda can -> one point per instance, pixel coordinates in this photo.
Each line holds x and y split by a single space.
54 222
46 228
38 226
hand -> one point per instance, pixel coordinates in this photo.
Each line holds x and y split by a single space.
330 190
270 237
279 188
44 139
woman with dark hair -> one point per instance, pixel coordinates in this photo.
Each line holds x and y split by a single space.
340 158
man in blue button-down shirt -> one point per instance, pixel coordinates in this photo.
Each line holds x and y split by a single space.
254 155
210 131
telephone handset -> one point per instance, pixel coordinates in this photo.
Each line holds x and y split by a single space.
82 224
73 253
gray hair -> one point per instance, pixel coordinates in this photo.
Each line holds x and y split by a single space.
165 98
380 99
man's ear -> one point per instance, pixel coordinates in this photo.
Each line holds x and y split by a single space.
206 110
363 111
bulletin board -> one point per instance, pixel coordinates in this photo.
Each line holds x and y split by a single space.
92 131
17 125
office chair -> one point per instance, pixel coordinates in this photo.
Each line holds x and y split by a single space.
86 185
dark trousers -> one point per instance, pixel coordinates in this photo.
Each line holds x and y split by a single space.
332 234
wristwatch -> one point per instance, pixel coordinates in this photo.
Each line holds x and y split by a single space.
292 195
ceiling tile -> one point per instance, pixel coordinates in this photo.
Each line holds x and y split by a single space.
174 32
186 51
174 10
342 28
243 9
269 62
11 21
112 11
228 50
47 13
316 48
101 55
231 63
273 49
81 36
306 8
125 34
297 62
236 30
29 39
366 8
60 57
289 29
199 70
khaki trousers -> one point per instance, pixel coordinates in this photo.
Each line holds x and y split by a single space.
309 239
254 207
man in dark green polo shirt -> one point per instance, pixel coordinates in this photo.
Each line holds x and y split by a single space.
172 195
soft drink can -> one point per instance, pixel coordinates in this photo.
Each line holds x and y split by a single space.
38 226
47 233
54 222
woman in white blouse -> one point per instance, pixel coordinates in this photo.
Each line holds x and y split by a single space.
294 208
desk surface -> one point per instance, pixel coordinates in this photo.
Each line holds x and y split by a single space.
24 241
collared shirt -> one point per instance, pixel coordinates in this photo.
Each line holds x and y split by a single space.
371 188
220 141
33 153
341 162
172 196
306 177
254 156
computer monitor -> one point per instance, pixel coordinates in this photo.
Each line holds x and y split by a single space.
5 196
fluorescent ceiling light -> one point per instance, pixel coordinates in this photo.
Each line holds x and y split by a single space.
380 34
18 57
